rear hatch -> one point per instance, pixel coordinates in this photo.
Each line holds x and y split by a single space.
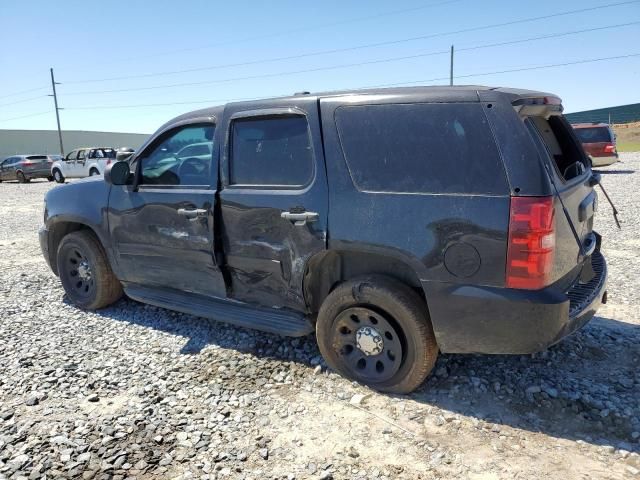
576 200
36 162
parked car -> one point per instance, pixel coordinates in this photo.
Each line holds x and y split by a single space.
393 222
599 141
83 162
23 168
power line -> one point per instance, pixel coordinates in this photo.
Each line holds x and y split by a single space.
349 65
22 101
513 70
479 74
25 116
23 91
357 47
215 101
296 30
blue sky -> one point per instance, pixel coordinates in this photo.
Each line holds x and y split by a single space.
84 40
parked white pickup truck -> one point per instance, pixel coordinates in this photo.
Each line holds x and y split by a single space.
83 162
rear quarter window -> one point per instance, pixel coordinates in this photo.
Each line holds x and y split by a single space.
421 148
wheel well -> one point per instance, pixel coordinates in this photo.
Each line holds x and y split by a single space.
325 272
56 233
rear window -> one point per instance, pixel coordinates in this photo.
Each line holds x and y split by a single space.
593 134
421 148
37 157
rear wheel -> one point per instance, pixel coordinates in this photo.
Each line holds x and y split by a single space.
21 178
377 331
57 176
85 272
94 171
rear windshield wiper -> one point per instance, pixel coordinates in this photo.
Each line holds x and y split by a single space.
595 179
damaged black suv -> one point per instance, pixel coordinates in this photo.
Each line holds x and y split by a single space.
395 223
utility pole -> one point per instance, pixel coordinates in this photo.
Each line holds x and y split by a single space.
451 68
55 101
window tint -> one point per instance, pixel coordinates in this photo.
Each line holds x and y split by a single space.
166 163
271 151
421 148
593 134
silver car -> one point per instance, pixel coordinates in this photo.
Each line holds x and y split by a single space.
25 167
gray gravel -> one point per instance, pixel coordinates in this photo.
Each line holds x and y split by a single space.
134 391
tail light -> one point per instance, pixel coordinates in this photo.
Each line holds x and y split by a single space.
609 148
108 161
27 163
532 241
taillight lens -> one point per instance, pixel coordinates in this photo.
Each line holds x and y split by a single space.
27 163
108 161
532 241
610 148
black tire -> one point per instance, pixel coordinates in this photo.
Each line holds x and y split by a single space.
21 178
389 321
50 178
85 272
57 176
93 172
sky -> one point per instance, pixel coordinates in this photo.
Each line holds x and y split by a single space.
336 44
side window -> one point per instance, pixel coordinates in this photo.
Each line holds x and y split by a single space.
70 156
271 151
170 163
421 148
81 155
92 154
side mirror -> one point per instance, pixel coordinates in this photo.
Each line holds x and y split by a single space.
117 173
123 156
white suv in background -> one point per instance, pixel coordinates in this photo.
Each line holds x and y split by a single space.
83 162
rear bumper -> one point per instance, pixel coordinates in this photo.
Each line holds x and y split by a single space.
38 173
604 161
471 319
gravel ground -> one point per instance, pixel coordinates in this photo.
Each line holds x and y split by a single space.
134 391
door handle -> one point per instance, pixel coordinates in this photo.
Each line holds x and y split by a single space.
198 212
300 218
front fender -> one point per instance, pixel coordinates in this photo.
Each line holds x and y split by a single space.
59 166
83 203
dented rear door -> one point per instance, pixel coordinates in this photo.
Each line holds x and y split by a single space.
273 199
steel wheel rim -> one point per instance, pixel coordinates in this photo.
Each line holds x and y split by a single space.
79 273
368 344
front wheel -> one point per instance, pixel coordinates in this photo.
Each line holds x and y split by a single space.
94 171
57 176
377 331
85 272
50 178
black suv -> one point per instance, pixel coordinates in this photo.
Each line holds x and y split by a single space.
393 222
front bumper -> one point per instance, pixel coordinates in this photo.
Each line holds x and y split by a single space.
43 236
474 319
